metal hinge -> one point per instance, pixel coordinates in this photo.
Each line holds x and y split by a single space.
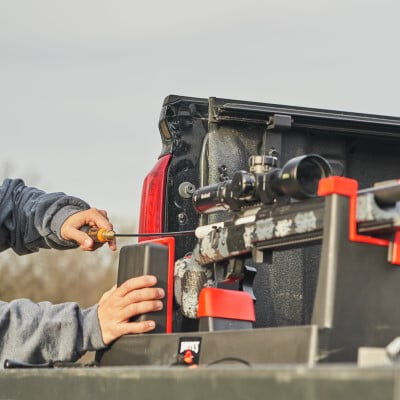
279 122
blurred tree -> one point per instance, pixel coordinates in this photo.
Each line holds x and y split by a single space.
59 276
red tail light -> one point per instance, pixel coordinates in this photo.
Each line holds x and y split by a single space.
153 198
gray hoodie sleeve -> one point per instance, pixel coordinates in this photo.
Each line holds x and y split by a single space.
40 332
31 219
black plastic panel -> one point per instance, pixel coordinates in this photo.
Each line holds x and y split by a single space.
146 259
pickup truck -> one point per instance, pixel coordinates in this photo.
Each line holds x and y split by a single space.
205 141
201 138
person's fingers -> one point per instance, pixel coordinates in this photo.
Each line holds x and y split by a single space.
139 295
137 327
103 212
112 245
141 308
118 305
97 245
80 237
70 230
136 283
95 217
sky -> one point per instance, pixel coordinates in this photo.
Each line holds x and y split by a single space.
82 81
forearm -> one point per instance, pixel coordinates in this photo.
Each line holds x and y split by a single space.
39 332
33 218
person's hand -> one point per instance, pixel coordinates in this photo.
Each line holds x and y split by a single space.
116 307
92 217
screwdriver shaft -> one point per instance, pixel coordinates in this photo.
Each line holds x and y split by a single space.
103 235
181 233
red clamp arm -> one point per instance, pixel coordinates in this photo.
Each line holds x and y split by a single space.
348 187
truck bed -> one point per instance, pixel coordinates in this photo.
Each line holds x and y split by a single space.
229 382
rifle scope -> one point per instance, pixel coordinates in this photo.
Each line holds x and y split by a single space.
265 183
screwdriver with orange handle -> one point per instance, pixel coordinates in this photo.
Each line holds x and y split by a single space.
103 235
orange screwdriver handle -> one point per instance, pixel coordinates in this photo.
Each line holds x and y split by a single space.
101 235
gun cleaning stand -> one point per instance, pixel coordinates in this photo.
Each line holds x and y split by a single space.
355 300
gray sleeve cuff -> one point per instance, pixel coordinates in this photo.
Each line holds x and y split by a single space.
58 220
92 330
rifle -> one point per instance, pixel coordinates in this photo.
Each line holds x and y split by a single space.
268 209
